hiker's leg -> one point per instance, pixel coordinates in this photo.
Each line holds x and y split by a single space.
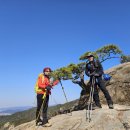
39 104
102 86
45 108
96 96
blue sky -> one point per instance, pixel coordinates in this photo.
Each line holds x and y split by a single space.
35 34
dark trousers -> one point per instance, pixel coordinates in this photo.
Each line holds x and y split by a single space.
42 102
100 83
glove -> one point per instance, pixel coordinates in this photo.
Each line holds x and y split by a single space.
96 74
48 88
91 74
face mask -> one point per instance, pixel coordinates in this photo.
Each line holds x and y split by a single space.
47 73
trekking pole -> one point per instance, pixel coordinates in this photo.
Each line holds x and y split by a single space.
64 93
44 97
89 105
90 102
93 83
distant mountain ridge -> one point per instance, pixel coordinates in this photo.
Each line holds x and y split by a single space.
12 110
29 115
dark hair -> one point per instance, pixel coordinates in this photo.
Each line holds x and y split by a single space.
47 68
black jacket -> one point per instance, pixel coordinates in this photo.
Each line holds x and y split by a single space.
94 67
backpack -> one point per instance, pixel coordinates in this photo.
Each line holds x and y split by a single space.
37 89
106 77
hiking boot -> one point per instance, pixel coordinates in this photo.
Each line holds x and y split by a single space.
39 122
111 106
47 125
97 107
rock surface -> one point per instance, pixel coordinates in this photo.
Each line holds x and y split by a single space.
119 85
102 119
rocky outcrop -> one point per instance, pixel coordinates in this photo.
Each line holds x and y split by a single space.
102 119
119 85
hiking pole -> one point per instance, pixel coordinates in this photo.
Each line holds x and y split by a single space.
64 93
93 84
90 104
89 110
44 97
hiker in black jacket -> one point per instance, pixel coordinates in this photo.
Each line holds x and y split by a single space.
95 69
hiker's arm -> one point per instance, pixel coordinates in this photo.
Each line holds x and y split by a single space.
55 82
